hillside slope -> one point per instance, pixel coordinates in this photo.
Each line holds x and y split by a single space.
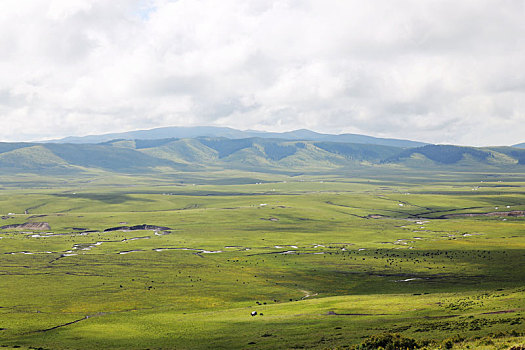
459 156
250 154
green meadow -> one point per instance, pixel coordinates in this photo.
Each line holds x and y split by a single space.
326 261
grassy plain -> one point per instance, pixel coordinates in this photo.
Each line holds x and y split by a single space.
325 260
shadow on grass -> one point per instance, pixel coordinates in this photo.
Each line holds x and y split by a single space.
110 198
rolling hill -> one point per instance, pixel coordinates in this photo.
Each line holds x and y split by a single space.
252 154
459 156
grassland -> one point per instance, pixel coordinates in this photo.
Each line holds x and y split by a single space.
325 260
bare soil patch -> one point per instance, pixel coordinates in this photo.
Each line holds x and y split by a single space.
28 226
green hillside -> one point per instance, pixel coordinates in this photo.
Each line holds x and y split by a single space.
359 151
180 151
106 157
33 157
10 146
450 156
444 154
518 155
251 154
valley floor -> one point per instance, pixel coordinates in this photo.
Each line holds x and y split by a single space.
324 262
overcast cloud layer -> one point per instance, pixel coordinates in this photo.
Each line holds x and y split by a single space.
436 71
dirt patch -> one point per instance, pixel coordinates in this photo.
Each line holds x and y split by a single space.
308 294
28 226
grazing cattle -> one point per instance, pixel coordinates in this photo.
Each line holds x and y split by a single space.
254 313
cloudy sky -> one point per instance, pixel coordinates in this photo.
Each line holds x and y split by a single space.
437 71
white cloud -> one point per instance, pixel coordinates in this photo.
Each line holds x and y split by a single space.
438 71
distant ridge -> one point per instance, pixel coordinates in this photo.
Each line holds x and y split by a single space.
230 133
519 145
247 154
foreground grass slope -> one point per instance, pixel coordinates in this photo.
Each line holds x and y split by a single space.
324 260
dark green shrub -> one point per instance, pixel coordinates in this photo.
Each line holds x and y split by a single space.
449 343
388 341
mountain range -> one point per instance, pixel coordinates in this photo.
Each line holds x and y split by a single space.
213 131
206 148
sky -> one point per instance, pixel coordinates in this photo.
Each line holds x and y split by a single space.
435 71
